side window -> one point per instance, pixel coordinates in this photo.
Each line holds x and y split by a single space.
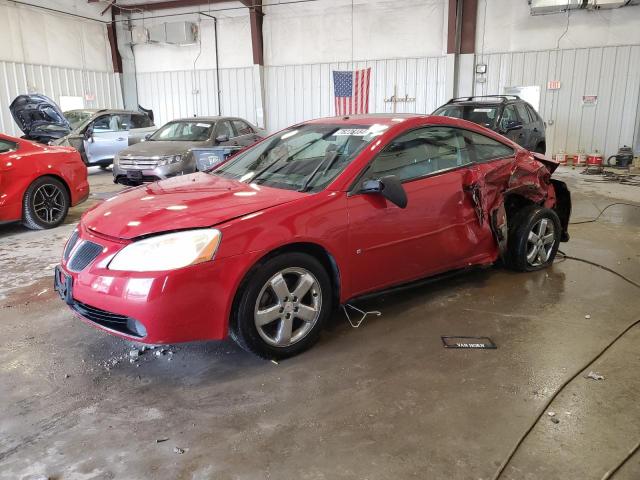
242 128
140 121
533 114
523 113
224 128
111 123
508 115
487 149
7 146
421 152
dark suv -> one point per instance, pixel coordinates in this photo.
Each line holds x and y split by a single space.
508 115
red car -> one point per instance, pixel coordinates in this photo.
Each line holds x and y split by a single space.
266 245
38 183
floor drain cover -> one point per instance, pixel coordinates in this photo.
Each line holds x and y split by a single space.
468 342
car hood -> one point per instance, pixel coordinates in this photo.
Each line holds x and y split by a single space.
37 115
188 201
157 148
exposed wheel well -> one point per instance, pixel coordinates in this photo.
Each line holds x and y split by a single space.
312 249
514 203
541 147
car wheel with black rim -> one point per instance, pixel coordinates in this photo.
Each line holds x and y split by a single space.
282 306
45 204
534 238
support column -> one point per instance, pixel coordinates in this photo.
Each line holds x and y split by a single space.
461 42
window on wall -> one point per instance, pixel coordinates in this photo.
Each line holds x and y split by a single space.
487 149
421 152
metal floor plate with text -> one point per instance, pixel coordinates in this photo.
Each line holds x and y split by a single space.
468 342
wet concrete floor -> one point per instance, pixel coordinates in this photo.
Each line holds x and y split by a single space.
384 401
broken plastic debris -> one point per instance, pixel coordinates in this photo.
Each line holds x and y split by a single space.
595 376
587 316
178 450
555 420
551 414
274 362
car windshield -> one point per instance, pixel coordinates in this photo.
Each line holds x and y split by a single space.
304 157
77 117
187 131
484 115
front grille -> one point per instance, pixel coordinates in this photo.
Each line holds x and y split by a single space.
112 321
137 163
70 244
83 255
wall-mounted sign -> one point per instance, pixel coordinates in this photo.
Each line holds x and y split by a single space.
553 85
589 100
90 97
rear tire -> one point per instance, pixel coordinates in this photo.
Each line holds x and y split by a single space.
534 238
283 306
45 204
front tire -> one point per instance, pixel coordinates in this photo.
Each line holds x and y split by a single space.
282 306
534 238
45 204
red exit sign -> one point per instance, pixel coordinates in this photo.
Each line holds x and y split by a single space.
553 85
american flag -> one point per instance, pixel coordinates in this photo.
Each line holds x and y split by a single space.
351 90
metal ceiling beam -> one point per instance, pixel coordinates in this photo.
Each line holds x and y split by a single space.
255 19
151 6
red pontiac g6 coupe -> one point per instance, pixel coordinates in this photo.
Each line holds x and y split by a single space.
38 183
265 246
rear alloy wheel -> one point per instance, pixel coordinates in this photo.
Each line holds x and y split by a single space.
283 306
534 239
45 204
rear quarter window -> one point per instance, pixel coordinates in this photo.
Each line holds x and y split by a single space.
487 149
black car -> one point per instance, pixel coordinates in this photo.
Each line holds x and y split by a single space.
508 115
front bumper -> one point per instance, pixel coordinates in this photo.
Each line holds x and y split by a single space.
187 304
130 176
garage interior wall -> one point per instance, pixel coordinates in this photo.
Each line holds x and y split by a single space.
589 52
57 55
401 40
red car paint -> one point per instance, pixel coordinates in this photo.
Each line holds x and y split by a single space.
373 244
29 161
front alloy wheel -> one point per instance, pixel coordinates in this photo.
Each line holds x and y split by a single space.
288 306
534 238
282 305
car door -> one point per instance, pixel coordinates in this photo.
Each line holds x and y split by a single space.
527 126
538 127
390 245
509 117
246 135
110 136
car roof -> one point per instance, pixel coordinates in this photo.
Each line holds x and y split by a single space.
94 111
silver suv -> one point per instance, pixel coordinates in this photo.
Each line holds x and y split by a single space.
184 146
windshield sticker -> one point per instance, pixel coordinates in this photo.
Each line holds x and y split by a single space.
483 110
203 125
355 132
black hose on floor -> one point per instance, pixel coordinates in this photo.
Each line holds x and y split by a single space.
564 384
602 211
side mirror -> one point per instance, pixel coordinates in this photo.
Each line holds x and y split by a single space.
148 136
222 138
513 125
389 187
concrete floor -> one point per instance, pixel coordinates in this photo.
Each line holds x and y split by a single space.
384 401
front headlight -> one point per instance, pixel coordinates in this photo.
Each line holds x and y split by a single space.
169 160
168 251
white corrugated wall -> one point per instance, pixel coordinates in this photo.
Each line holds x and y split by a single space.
300 92
611 73
187 93
20 78
292 93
